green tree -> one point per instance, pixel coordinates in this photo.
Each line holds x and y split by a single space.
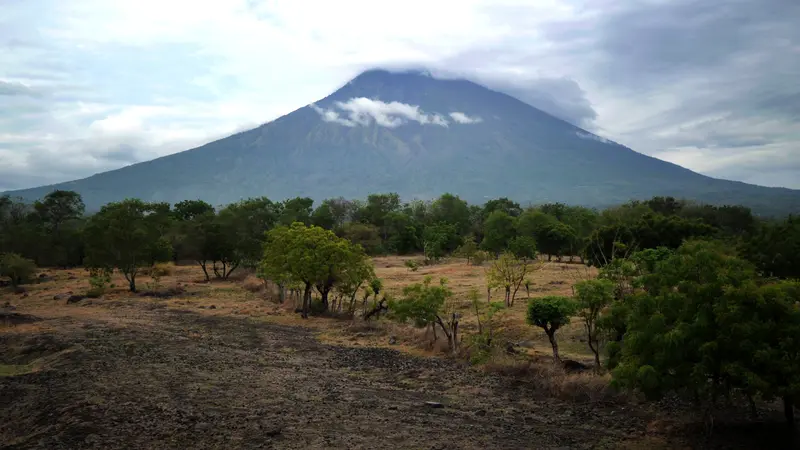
128 236
239 229
425 304
503 204
676 338
311 255
499 229
439 239
365 235
551 313
452 210
775 248
296 209
593 296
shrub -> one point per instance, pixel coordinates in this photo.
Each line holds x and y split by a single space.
161 270
99 280
253 284
480 257
20 270
412 265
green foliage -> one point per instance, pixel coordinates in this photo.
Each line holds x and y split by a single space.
412 264
509 272
438 240
314 257
128 236
421 302
480 257
468 249
593 296
679 331
775 248
551 313
452 210
99 281
365 235
18 269
483 343
523 247
499 229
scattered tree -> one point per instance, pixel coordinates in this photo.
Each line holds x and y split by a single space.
551 313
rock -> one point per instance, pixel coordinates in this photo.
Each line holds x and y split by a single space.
212 307
24 295
72 277
201 426
91 439
434 405
75 298
19 290
59 297
392 340
480 412
525 344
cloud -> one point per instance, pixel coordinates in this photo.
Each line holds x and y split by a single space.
693 82
364 111
460 117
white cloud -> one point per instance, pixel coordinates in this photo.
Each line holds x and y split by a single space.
364 111
460 117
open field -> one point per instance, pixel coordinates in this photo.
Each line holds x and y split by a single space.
219 366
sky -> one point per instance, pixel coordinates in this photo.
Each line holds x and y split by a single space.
92 85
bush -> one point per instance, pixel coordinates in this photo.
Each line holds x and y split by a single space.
99 279
161 270
317 308
20 270
412 265
480 257
253 284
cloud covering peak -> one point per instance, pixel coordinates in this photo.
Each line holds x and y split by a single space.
364 111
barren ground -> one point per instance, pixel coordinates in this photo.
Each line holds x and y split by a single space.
221 367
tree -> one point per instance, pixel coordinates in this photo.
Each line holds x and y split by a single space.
190 209
363 234
503 204
509 272
128 236
313 256
55 223
775 248
551 313
678 336
425 304
333 213
296 209
467 249
452 210
377 208
438 240
498 231
18 269
593 297
238 232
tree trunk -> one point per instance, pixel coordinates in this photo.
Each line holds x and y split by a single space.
281 293
132 283
788 410
594 347
551 334
306 301
508 296
488 295
324 294
204 265
549 257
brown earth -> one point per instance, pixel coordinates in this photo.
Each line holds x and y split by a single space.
220 367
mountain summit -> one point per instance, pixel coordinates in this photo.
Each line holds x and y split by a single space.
419 136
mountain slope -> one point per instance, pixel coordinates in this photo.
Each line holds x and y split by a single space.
356 141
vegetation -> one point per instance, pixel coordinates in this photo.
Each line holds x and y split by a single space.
692 300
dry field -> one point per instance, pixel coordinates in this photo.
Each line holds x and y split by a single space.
221 365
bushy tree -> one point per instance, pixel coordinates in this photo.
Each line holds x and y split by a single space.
498 231
438 240
312 256
467 249
551 313
364 234
775 248
128 236
509 272
18 269
451 209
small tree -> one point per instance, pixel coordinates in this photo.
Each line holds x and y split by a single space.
20 270
467 249
499 229
593 297
551 313
425 304
509 272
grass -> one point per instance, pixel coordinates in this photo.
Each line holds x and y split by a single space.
11 370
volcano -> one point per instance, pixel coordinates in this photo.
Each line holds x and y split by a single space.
418 136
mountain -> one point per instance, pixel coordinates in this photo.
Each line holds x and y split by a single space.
419 136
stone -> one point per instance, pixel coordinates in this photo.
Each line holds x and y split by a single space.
434 405
392 340
75 298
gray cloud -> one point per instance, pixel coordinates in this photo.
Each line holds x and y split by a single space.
11 88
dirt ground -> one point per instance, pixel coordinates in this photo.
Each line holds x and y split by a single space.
218 366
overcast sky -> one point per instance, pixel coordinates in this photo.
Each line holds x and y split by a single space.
92 85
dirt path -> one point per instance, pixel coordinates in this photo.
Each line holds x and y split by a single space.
173 379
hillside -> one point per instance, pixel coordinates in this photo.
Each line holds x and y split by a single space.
438 136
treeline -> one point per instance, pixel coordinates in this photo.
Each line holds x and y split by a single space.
55 232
